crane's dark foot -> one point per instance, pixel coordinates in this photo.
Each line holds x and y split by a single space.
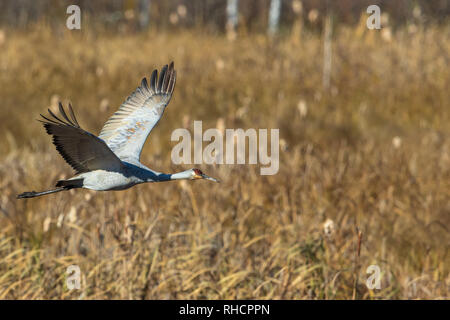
29 194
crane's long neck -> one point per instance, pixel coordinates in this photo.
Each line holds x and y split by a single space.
159 177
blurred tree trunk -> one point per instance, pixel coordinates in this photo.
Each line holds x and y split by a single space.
144 14
327 49
274 16
232 17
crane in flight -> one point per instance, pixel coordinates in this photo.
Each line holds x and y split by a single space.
111 160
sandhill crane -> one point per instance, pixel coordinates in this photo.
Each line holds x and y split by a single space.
111 160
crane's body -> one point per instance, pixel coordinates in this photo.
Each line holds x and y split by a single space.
131 175
111 160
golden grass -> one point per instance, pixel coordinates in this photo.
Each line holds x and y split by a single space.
372 153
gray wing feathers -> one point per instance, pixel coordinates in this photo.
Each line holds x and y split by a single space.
126 131
81 149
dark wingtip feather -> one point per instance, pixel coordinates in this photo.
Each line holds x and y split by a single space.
172 81
47 120
171 68
57 121
72 115
54 116
168 81
144 83
63 113
153 78
162 77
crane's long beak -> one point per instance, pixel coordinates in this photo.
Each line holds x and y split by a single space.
204 176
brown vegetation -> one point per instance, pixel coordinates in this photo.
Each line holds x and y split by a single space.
372 152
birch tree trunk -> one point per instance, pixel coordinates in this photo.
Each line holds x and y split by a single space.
232 15
274 16
144 14
327 53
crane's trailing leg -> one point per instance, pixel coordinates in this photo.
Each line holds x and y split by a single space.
61 185
32 194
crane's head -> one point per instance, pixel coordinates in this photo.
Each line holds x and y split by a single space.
198 174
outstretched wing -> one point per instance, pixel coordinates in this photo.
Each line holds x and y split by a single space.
126 131
81 149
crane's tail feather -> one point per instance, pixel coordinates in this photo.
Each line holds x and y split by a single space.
32 194
70 184
61 185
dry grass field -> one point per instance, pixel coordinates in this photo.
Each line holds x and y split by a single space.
371 153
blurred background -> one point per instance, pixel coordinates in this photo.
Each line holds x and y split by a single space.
364 177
